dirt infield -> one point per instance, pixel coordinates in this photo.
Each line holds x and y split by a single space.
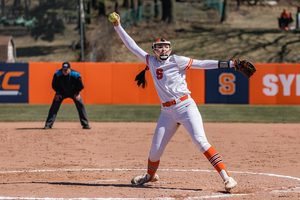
68 162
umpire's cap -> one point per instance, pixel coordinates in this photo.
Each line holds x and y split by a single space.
66 65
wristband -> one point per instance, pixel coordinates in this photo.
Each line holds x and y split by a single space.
223 64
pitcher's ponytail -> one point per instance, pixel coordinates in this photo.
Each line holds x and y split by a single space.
141 79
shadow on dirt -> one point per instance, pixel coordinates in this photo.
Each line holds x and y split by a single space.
38 50
29 128
104 185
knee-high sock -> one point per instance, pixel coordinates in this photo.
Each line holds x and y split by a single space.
215 159
152 167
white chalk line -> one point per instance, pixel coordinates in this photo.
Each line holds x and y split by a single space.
266 174
292 190
297 189
162 198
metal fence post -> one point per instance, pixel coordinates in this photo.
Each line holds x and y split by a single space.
81 29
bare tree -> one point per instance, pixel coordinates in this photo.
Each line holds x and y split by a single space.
132 4
225 10
99 5
168 9
17 2
88 11
27 6
101 8
126 4
140 2
238 2
17 8
116 6
172 19
155 9
165 10
49 21
2 7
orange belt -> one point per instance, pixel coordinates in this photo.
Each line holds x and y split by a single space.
170 103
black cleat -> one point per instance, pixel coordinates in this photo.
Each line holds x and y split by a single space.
47 127
86 127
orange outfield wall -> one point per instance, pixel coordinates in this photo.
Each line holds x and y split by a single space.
275 84
106 83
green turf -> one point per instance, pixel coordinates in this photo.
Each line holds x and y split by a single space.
250 113
150 113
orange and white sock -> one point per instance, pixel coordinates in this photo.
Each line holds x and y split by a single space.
215 159
152 168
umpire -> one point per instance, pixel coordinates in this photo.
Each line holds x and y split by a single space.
67 84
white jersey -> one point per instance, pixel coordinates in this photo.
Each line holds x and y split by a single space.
169 76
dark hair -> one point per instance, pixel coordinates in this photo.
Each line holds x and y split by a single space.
140 78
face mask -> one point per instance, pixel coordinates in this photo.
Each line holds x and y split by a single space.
163 56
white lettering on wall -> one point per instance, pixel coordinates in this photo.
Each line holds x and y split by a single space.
286 83
271 83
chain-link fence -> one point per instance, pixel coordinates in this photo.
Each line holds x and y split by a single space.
191 11
188 11
216 4
141 14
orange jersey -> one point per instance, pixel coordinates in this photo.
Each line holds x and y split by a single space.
285 15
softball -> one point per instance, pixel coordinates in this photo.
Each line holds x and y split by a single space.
112 17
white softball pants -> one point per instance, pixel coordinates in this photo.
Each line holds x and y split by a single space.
185 113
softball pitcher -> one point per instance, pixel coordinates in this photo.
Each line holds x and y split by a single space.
169 77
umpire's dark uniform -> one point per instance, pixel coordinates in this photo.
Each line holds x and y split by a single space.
67 86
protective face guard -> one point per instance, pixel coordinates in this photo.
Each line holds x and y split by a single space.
163 56
161 41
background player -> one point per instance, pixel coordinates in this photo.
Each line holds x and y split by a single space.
284 20
168 73
67 84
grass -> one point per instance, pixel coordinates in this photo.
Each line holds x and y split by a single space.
251 113
150 113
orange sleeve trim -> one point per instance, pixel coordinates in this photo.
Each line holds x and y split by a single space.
190 64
